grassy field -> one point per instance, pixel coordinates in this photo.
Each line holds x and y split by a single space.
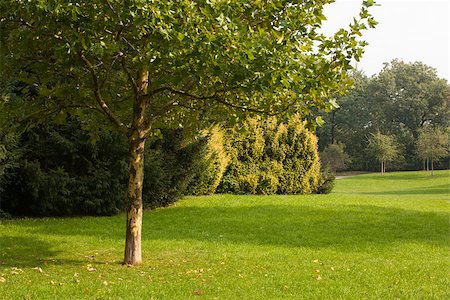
374 237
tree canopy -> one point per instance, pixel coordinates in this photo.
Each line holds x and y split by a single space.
401 100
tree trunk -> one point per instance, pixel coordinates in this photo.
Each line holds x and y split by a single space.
382 167
136 174
432 168
333 126
134 211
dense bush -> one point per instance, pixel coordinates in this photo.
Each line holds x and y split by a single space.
9 156
270 157
326 182
209 163
334 157
62 173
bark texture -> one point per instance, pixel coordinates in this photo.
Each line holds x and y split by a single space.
136 139
134 212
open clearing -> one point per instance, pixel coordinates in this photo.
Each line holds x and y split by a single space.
374 237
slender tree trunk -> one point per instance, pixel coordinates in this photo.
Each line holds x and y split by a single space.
382 163
428 165
432 168
333 126
136 140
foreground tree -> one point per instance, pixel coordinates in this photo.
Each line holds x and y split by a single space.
384 148
432 144
147 65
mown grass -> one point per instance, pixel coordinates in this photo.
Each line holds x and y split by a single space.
374 237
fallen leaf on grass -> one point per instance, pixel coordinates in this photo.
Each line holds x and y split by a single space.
317 271
90 268
197 292
319 277
2 279
315 261
105 283
332 268
15 270
38 269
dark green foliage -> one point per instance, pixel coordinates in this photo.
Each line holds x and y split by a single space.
9 156
326 182
401 100
334 157
269 157
167 165
63 173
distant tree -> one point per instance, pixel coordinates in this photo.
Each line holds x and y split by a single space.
384 148
432 144
404 97
399 101
334 157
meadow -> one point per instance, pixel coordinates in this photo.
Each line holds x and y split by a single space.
373 237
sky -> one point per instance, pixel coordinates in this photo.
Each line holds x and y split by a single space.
409 30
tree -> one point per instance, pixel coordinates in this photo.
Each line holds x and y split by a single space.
405 97
334 157
146 65
384 148
432 144
399 101
349 124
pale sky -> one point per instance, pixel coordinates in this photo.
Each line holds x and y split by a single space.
410 30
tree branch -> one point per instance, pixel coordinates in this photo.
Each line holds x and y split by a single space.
215 97
103 105
130 77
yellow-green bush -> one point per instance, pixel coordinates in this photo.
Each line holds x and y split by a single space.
271 157
210 163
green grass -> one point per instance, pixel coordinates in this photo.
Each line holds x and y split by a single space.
374 237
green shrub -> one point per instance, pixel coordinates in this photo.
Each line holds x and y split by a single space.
326 182
62 173
334 157
209 163
270 157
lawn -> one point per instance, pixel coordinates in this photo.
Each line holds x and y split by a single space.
374 237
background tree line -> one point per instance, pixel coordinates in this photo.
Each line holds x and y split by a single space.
406 102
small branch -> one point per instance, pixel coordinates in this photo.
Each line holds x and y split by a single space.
103 105
130 77
112 8
216 98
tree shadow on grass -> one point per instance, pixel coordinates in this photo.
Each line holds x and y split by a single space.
401 176
340 227
30 252
443 189
344 227
18 251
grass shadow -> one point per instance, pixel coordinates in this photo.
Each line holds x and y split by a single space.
347 227
443 189
401 176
